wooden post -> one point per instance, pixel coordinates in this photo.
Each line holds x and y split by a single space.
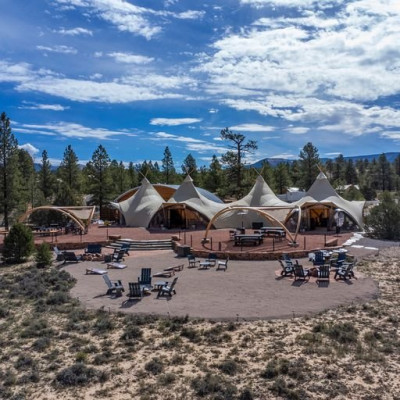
273 244
219 246
304 242
191 241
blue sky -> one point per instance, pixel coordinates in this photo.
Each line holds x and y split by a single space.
137 76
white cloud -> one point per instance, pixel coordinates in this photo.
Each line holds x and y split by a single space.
174 121
58 49
31 149
190 14
169 136
71 130
75 31
298 130
129 58
252 128
52 107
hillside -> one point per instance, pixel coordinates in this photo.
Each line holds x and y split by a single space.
275 161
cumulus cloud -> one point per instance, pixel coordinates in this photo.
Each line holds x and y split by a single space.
315 67
58 49
52 107
31 149
252 128
129 58
174 121
71 130
75 31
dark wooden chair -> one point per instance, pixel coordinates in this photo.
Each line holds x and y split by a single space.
287 267
323 273
145 278
168 290
193 263
70 256
118 255
93 249
113 286
301 273
345 272
319 258
135 290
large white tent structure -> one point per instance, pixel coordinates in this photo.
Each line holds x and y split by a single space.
321 202
139 209
259 196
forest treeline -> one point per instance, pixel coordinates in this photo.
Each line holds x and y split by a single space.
103 179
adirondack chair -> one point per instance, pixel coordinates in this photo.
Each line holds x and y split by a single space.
287 267
70 256
301 273
59 254
212 259
323 273
222 265
114 286
144 279
193 263
345 271
118 255
93 249
338 261
135 290
319 258
126 247
168 290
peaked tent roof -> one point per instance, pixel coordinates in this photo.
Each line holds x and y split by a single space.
259 196
189 195
139 209
322 192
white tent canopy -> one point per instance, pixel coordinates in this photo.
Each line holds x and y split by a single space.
139 209
191 197
322 193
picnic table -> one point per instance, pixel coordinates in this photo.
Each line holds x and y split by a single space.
254 239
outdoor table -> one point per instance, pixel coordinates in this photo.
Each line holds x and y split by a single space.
256 239
205 265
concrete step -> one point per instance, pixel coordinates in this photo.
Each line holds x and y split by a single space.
162 244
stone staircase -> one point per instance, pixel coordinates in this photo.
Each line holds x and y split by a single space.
145 245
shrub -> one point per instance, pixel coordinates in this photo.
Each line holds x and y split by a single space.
229 367
43 256
18 244
155 366
76 375
213 385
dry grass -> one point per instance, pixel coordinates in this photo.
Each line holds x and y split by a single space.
51 348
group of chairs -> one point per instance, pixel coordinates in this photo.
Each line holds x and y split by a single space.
138 289
343 270
210 261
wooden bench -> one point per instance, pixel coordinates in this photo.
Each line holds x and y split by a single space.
331 242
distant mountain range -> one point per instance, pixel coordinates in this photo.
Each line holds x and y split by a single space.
275 161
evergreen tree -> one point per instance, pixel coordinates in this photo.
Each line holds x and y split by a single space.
383 222
233 158
69 189
189 166
339 169
281 177
8 168
98 173
351 173
132 176
294 173
308 165
167 167
384 173
18 244
27 180
46 179
268 174
214 177
119 177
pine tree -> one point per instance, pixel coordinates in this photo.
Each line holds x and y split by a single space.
98 173
167 167
281 175
189 166
214 176
46 179
233 158
8 168
308 165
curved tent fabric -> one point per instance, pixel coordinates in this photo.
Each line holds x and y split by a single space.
260 195
139 209
322 192
188 194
